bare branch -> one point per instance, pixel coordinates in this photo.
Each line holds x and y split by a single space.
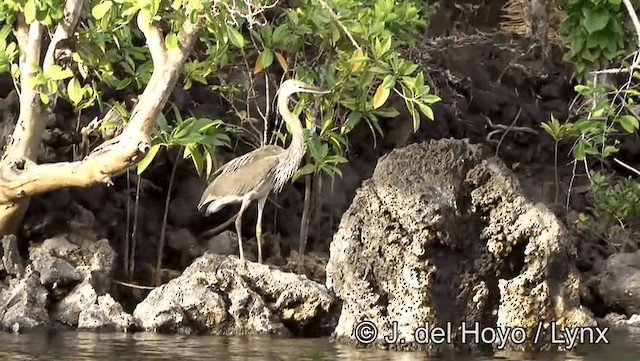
155 40
634 17
21 178
27 135
65 29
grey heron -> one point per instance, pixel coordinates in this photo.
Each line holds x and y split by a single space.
254 175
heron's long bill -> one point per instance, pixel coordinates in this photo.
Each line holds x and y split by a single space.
316 90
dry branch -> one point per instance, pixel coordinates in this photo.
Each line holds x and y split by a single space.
21 177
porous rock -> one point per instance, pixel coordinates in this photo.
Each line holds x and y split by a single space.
106 313
12 262
440 236
67 279
23 304
225 296
619 285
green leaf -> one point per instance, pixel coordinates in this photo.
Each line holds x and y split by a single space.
44 98
30 11
305 170
427 111
74 91
237 39
608 150
265 59
629 123
580 150
595 19
430 99
386 112
148 158
171 41
389 82
101 9
57 73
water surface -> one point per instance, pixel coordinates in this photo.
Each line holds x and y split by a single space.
81 346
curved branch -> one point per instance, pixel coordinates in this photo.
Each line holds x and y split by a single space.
64 30
21 178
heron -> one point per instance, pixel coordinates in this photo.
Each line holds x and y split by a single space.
254 175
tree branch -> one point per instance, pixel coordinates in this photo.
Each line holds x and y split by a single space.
21 178
634 18
155 40
27 134
64 30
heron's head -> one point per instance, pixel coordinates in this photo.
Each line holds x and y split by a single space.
292 86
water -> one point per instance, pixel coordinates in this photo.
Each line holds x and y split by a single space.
80 346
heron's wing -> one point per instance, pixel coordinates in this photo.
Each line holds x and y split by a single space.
243 174
238 162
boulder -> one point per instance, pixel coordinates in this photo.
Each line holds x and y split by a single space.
619 284
23 304
107 314
441 237
66 280
12 262
225 296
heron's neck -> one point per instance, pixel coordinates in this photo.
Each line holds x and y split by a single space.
295 150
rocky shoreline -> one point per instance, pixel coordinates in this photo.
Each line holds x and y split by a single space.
439 235
424 229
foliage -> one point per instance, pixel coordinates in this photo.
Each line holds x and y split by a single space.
350 47
598 32
198 136
361 79
597 125
615 206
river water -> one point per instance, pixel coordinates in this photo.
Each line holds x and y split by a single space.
81 346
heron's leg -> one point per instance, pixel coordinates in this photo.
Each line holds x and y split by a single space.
245 204
261 203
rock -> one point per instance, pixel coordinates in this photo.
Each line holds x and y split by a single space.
311 265
84 308
226 296
78 300
23 304
105 314
440 236
68 275
619 286
620 321
91 259
11 260
54 272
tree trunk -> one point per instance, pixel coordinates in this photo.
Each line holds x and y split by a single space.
20 176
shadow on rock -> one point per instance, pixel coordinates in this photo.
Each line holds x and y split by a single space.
440 235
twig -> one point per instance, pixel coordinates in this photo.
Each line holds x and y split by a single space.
626 166
134 231
127 238
511 126
131 285
337 20
634 17
163 229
